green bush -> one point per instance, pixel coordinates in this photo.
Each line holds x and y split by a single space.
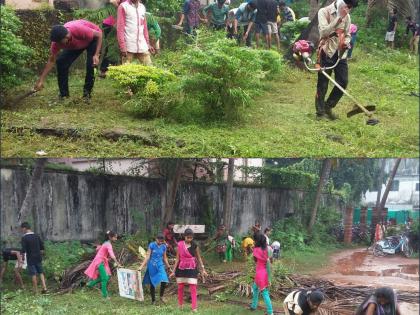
327 218
155 101
164 8
14 54
155 90
135 77
284 178
291 30
61 256
291 233
36 26
223 77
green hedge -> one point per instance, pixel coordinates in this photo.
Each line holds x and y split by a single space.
36 26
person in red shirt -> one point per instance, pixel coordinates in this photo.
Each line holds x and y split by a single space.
73 38
170 240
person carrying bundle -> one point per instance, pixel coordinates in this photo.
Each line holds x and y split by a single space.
99 270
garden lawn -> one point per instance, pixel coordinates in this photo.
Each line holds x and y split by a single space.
84 301
280 123
89 301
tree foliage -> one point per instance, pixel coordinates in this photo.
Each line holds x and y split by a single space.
360 174
14 54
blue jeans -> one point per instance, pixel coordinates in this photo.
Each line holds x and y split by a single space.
266 297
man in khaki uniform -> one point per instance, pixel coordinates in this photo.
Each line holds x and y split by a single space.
334 32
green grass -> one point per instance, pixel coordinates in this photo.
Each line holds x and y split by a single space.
85 301
280 123
89 301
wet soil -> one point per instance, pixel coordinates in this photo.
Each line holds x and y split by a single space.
360 267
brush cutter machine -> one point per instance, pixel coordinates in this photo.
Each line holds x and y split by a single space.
303 50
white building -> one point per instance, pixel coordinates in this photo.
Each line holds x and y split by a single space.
404 193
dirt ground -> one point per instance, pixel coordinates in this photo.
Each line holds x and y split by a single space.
360 267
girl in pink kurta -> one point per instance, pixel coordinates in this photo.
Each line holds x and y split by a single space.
99 270
261 280
187 265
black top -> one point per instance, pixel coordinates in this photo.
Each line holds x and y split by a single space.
188 273
392 21
32 246
7 253
263 12
272 11
303 302
411 26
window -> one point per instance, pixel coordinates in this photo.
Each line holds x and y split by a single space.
395 185
417 186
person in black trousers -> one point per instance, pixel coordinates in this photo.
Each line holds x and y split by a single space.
33 247
73 38
334 30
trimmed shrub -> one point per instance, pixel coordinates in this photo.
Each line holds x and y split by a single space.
14 54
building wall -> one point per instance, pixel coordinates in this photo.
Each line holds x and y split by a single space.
405 198
28 4
80 206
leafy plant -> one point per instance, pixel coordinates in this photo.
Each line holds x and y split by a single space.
60 256
136 77
14 54
291 30
290 233
164 8
223 77
289 178
154 101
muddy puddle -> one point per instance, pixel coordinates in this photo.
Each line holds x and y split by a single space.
355 265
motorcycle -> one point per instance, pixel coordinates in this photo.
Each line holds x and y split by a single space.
393 245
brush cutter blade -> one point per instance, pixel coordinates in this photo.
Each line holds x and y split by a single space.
357 110
372 122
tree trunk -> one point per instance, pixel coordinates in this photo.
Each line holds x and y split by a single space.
35 182
229 192
388 187
370 5
314 7
375 210
219 171
323 177
246 172
172 184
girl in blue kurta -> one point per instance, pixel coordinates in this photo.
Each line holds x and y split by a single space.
156 260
